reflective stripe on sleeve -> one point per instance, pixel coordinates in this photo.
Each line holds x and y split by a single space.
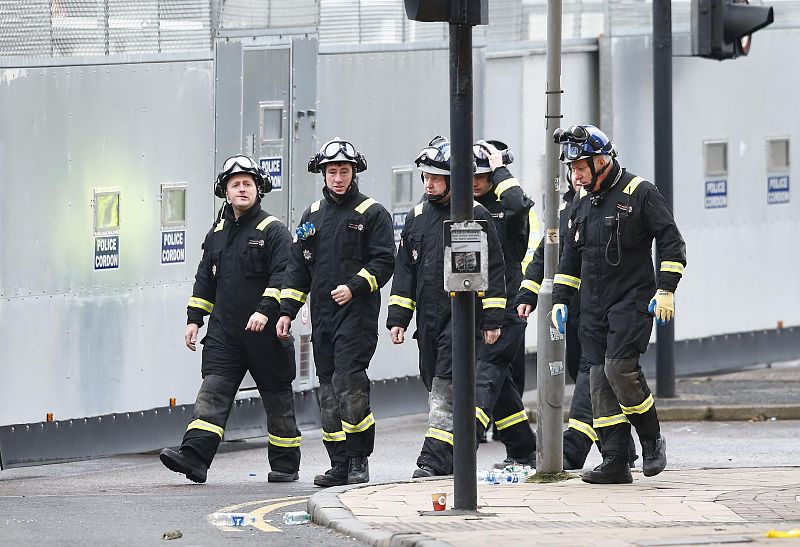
315 206
531 285
220 225
419 209
568 280
494 303
674 267
395 300
371 279
294 294
505 185
201 303
273 293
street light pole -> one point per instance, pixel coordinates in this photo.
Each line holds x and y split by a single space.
550 344
662 158
463 303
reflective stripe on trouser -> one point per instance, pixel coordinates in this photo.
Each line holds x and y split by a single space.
341 360
497 396
226 359
283 441
333 436
580 434
437 449
635 399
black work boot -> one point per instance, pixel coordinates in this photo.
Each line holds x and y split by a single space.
654 456
529 460
358 470
281 476
614 470
425 471
186 463
335 476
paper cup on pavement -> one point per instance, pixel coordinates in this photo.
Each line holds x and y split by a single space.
439 500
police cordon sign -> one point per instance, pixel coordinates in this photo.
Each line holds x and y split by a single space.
398 220
274 166
716 194
106 252
173 247
778 189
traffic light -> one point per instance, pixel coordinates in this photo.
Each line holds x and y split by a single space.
459 12
721 29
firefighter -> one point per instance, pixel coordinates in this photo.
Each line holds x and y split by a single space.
419 284
237 285
616 216
342 256
498 397
580 435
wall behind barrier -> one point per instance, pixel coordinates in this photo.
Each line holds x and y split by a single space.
91 319
741 273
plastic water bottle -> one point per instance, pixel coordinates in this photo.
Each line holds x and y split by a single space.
232 519
293 518
488 477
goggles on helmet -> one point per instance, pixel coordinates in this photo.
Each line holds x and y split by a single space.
580 141
337 150
480 155
435 156
242 164
335 147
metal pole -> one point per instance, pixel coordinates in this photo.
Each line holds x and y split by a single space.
662 142
463 304
550 346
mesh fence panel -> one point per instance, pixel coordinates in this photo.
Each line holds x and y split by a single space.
42 28
65 28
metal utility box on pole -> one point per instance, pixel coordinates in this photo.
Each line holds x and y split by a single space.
550 344
462 16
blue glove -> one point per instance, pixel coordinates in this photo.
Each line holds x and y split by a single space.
662 306
305 230
559 317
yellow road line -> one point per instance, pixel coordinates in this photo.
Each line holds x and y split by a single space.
259 512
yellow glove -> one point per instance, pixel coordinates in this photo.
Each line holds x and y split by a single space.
662 306
559 317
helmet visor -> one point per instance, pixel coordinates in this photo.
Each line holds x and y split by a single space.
336 147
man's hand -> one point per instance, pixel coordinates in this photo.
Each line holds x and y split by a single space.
342 295
398 335
491 336
494 156
524 310
282 327
662 306
190 337
257 322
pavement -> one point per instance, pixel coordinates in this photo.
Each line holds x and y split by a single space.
677 507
